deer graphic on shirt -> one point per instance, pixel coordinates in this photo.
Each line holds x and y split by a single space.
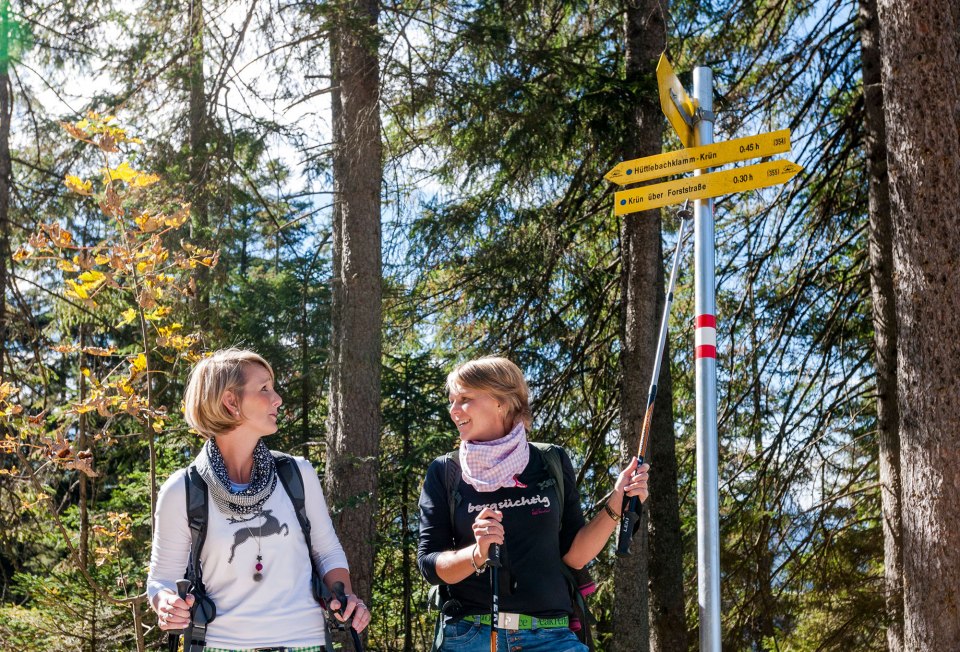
269 527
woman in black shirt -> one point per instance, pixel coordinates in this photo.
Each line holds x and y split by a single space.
505 495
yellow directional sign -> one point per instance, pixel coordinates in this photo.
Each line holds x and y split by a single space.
713 184
696 158
676 104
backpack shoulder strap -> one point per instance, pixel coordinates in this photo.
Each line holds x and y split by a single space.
292 482
197 520
204 611
550 453
451 482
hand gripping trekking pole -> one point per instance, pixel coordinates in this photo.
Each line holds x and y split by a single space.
340 594
631 505
173 635
493 562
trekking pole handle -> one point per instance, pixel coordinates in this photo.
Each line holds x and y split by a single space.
339 593
183 589
629 515
493 555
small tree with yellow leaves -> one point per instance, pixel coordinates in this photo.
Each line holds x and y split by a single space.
137 281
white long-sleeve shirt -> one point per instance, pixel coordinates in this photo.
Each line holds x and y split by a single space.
280 609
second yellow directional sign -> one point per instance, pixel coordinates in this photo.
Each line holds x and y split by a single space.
697 158
676 104
713 184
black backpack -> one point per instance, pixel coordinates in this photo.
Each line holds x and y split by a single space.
204 611
579 581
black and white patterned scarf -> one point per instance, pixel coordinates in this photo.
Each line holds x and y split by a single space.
263 479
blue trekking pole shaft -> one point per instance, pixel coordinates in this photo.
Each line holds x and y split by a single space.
631 505
493 561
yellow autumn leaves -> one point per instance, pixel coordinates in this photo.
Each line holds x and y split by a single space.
139 273
123 172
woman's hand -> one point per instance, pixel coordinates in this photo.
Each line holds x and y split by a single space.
633 484
355 608
173 612
487 530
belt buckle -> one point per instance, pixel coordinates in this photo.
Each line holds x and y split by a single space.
513 621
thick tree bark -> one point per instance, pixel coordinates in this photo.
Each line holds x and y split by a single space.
199 164
921 87
668 625
884 321
353 443
648 613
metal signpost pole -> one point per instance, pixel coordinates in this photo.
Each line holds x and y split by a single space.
708 513
692 118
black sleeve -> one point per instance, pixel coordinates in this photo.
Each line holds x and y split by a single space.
572 519
436 530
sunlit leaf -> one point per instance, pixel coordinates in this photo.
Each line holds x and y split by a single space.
77 290
92 277
78 185
147 223
158 314
142 180
122 172
127 316
139 363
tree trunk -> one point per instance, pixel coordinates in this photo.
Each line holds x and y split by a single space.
649 610
199 165
6 175
884 321
354 426
921 89
668 624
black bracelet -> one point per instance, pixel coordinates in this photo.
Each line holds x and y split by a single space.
616 517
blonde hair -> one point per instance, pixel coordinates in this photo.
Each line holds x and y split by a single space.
501 379
223 371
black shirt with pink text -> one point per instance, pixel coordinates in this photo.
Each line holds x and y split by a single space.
537 533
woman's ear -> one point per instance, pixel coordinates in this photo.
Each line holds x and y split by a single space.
231 403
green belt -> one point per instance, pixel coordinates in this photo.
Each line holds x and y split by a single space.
521 621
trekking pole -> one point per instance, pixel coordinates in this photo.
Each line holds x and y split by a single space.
338 591
173 635
631 505
493 561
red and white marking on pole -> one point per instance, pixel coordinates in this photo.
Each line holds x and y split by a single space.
706 336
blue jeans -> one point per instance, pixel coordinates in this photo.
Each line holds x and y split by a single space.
461 636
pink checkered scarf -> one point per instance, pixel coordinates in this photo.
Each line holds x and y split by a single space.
489 465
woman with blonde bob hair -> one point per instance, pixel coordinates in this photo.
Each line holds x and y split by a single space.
255 564
505 495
